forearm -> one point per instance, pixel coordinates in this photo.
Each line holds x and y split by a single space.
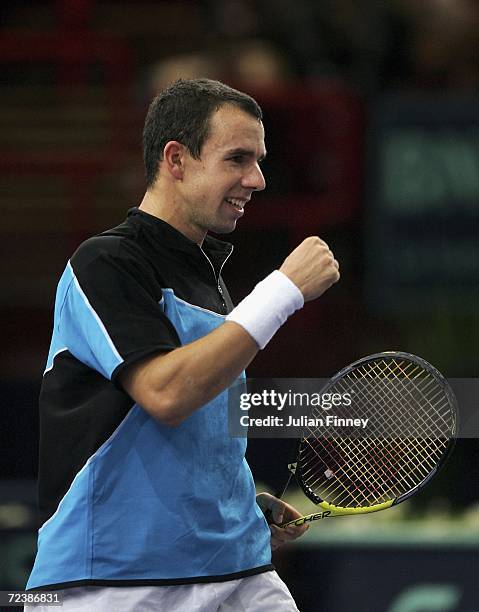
174 385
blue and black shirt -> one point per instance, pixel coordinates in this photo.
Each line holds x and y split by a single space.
124 499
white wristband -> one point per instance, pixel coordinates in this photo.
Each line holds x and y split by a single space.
267 307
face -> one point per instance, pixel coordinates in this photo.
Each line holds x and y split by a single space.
215 190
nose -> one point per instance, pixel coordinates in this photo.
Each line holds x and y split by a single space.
254 179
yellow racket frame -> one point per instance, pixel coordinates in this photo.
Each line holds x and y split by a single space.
329 510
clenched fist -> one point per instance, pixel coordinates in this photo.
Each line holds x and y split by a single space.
311 267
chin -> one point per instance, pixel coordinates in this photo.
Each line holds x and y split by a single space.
224 229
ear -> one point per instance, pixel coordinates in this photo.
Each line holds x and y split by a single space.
173 159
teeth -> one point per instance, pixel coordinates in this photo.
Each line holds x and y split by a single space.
237 203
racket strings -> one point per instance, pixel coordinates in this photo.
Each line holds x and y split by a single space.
355 457
362 482
381 479
338 484
410 423
421 376
420 420
396 419
395 422
412 409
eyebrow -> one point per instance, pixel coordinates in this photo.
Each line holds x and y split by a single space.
245 152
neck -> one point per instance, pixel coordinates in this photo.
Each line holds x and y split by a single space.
166 208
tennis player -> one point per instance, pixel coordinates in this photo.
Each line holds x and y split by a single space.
147 503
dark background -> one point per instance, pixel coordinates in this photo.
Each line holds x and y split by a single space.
372 130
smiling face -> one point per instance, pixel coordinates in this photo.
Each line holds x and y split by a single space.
214 189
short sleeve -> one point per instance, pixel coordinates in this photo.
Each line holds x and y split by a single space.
110 314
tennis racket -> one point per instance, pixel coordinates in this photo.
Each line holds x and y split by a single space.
412 414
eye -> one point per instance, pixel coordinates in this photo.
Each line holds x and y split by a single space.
237 159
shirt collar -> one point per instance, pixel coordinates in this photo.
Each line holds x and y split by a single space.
218 251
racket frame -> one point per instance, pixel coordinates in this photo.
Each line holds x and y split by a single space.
330 510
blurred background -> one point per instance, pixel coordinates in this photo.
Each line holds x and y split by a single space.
372 130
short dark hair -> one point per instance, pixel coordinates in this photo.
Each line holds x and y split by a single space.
182 112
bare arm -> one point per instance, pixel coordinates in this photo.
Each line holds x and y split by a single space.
172 386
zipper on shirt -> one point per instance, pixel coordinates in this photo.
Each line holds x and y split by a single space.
217 278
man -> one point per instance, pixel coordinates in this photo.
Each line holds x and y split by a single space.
141 486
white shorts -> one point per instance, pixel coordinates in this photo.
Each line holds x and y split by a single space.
264 592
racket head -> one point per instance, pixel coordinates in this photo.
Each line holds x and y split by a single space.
414 421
